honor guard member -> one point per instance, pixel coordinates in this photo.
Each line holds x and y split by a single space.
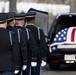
20 38
40 42
11 22
9 49
31 46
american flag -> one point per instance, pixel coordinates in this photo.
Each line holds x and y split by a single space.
64 36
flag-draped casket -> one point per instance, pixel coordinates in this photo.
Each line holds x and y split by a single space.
65 38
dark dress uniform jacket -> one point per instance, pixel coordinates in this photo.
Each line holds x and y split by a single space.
9 55
22 45
31 46
41 44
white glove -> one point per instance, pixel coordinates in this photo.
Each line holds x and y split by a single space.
24 67
43 63
16 71
33 64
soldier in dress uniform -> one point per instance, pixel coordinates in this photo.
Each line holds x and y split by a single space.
31 46
11 22
21 38
9 49
40 42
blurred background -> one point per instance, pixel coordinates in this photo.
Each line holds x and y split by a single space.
53 7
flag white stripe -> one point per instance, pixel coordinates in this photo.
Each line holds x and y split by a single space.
69 34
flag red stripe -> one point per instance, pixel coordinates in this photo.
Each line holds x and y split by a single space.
73 35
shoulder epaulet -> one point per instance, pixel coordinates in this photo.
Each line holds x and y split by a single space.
39 27
27 29
11 31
